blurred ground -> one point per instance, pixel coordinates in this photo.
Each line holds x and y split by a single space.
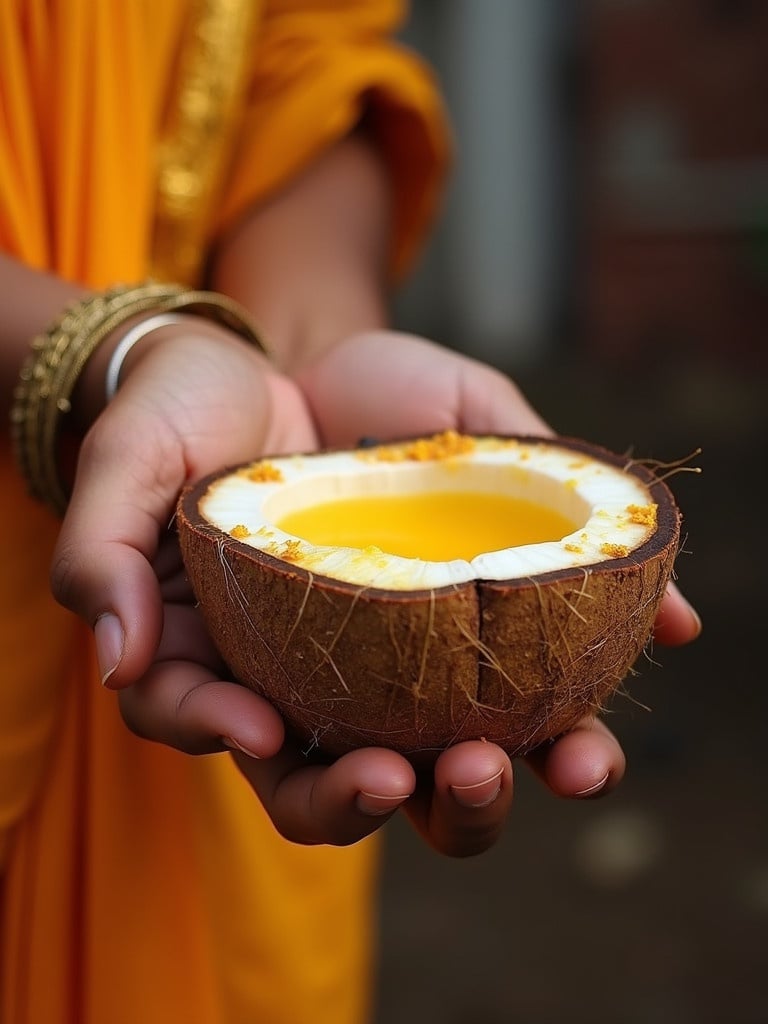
651 906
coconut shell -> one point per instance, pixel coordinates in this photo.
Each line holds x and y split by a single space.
516 662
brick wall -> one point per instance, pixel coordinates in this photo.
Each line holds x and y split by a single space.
676 177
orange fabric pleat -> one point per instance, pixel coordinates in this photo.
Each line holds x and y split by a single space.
139 884
148 886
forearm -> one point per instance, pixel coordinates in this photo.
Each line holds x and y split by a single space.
311 264
30 300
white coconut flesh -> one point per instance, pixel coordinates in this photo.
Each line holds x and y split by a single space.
611 508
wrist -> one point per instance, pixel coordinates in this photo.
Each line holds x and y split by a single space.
186 313
314 338
304 326
56 398
101 376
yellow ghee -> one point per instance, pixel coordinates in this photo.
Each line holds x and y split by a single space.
435 526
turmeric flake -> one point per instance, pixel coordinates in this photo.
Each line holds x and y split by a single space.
614 550
288 551
427 449
642 515
264 473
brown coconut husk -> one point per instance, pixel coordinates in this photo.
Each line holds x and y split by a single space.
515 662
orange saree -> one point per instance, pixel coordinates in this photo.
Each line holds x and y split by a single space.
138 884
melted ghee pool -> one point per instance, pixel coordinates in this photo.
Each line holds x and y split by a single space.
435 526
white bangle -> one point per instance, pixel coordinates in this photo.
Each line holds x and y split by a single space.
127 342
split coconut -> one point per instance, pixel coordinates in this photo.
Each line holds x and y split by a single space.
417 594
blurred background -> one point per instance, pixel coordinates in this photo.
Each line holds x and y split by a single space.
605 242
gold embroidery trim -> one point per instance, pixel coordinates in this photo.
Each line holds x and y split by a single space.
195 148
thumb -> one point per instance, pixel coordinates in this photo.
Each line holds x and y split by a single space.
491 402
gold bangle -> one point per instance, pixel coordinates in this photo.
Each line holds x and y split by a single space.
59 355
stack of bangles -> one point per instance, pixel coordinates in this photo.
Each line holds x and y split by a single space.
42 398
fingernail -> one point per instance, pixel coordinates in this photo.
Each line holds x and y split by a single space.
590 790
108 634
375 804
234 745
481 794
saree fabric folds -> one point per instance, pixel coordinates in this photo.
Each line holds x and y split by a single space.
139 884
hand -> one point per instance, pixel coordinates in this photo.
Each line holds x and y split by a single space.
386 385
197 399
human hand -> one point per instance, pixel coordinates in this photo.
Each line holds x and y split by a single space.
384 384
197 399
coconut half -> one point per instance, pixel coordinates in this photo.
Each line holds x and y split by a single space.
357 646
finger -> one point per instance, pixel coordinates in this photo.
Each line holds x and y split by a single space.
464 812
677 622
586 762
184 701
335 804
437 389
185 705
491 403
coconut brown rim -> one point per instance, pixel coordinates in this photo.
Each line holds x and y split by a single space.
515 662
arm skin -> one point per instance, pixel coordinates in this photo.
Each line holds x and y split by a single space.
30 300
310 266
